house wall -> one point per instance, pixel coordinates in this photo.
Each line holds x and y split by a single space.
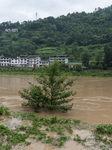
11 30
44 63
30 61
20 61
60 58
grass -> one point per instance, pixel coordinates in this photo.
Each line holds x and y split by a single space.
91 74
28 71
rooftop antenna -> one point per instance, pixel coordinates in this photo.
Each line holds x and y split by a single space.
36 15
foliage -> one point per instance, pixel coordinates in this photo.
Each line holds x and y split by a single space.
102 134
54 124
104 129
70 34
108 55
64 67
71 72
34 96
76 121
78 67
54 91
85 58
9 138
4 110
105 67
99 57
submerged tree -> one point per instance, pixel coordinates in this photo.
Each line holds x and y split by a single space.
52 91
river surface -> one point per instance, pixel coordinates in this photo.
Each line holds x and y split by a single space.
92 104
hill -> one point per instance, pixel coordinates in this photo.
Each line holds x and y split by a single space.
70 35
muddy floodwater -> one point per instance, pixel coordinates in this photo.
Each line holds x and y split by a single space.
93 102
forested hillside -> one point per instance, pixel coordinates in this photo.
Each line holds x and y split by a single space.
71 35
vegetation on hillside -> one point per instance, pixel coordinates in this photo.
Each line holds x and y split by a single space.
71 35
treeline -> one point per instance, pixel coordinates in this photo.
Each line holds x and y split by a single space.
70 34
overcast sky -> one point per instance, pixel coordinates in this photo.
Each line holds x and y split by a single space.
24 10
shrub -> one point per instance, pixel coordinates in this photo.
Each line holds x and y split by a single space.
4 110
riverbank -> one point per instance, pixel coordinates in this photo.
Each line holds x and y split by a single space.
27 131
69 73
92 73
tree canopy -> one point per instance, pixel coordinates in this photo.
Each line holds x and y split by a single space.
70 34
85 58
53 92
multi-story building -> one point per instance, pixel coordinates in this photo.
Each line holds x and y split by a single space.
31 61
59 58
34 60
21 61
44 63
5 61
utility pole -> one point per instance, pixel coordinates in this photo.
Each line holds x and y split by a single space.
36 15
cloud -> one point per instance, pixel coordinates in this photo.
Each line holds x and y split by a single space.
23 10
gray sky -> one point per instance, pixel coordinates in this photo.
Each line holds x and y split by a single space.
24 10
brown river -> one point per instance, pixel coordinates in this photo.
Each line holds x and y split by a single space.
92 104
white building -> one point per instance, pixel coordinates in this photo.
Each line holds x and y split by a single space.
31 61
11 30
60 58
21 61
5 61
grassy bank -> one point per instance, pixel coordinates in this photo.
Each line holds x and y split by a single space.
92 74
30 71
74 73
18 73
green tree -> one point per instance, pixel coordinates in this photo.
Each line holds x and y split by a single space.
78 67
98 57
108 55
53 91
64 67
85 58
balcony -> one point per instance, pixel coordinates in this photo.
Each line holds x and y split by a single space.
57 58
